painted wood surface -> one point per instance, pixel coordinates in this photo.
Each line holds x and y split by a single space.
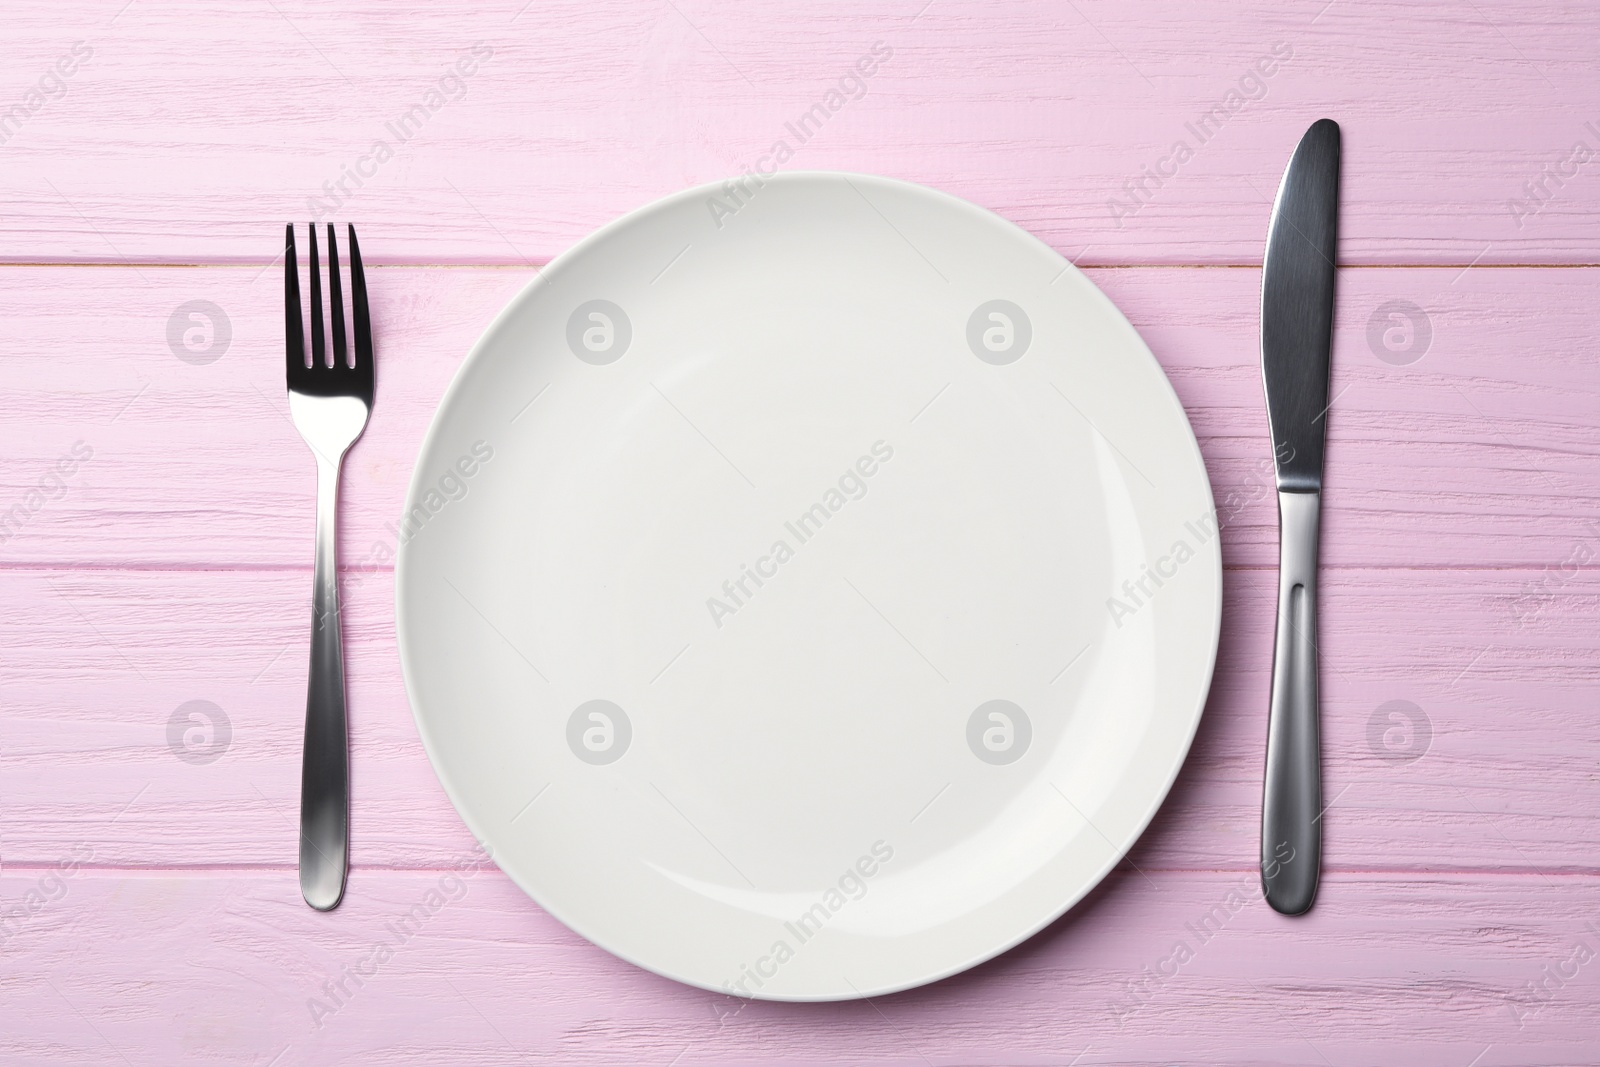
186 127
1501 777
1483 448
230 967
148 906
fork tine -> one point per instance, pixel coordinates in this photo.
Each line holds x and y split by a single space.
358 308
319 344
293 328
336 302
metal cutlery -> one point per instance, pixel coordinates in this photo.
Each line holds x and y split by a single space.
329 402
1297 286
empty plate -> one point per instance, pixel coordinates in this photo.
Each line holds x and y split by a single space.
810 588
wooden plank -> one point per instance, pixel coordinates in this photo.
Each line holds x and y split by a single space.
230 967
96 663
1461 121
1484 450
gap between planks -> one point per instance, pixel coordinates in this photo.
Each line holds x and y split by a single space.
542 263
393 868
160 567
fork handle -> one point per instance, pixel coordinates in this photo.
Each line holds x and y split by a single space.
1291 809
325 772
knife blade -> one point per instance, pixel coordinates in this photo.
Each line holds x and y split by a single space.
1297 293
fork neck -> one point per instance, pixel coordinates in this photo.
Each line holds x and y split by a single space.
326 583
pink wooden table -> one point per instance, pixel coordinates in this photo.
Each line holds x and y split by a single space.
157 506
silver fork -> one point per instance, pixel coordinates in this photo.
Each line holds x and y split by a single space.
330 403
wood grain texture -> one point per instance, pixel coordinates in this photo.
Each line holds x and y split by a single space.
1484 449
188 127
103 658
168 142
230 967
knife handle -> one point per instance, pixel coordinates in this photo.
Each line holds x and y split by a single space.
1291 808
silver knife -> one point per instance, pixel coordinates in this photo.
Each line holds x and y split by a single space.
1296 332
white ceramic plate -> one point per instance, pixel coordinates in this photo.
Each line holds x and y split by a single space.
809 591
